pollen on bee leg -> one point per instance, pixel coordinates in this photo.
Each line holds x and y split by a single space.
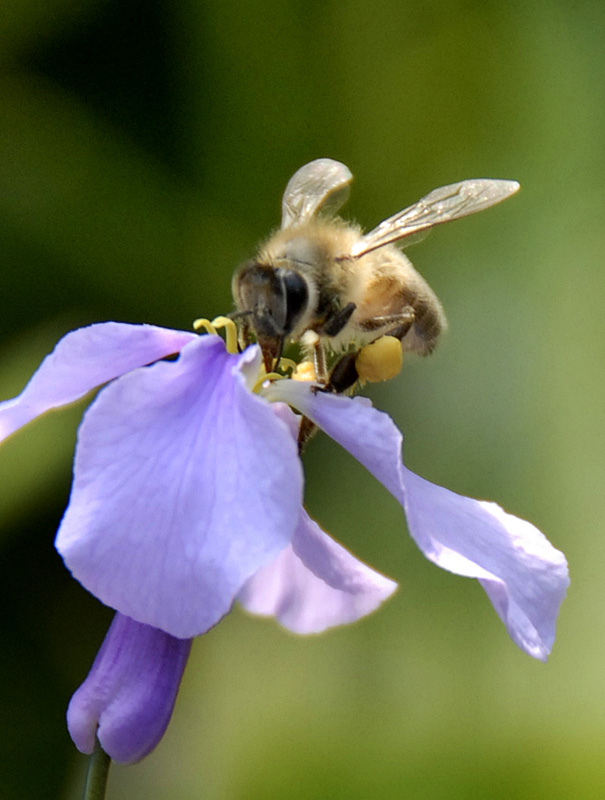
380 361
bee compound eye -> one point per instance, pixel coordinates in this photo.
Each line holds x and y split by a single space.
296 294
259 293
275 297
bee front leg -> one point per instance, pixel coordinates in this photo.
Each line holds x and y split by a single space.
332 326
335 322
313 348
313 345
342 377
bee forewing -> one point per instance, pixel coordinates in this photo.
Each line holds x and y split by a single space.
441 205
322 185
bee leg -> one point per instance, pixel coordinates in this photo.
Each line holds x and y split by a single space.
319 358
313 347
332 326
400 331
334 323
306 430
312 344
390 325
344 374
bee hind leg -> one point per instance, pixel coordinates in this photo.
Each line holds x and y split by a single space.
345 373
396 325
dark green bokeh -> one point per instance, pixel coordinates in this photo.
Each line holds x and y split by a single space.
144 147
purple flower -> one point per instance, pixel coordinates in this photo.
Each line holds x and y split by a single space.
187 495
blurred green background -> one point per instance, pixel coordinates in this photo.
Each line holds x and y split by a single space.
144 148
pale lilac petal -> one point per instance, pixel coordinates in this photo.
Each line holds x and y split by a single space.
83 360
369 435
315 584
185 484
524 576
128 696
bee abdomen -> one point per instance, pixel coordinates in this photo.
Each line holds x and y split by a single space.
429 323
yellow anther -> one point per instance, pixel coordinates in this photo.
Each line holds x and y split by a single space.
379 361
214 325
204 323
230 332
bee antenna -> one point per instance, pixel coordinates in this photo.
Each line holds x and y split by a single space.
239 314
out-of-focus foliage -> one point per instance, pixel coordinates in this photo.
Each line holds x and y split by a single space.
144 147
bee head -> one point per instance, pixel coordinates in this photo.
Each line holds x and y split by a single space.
274 299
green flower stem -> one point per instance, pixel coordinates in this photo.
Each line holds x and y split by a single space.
96 774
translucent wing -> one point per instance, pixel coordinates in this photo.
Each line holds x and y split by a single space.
440 205
322 185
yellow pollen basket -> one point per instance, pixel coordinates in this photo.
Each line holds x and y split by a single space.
379 361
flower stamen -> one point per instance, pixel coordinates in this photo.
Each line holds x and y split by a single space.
214 326
267 377
287 363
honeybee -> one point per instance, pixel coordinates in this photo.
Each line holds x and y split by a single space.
323 282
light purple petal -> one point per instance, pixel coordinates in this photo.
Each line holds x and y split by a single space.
128 696
185 484
522 573
315 584
524 576
83 360
369 435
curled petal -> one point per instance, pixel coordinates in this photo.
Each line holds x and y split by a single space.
315 584
85 359
127 699
185 484
524 576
